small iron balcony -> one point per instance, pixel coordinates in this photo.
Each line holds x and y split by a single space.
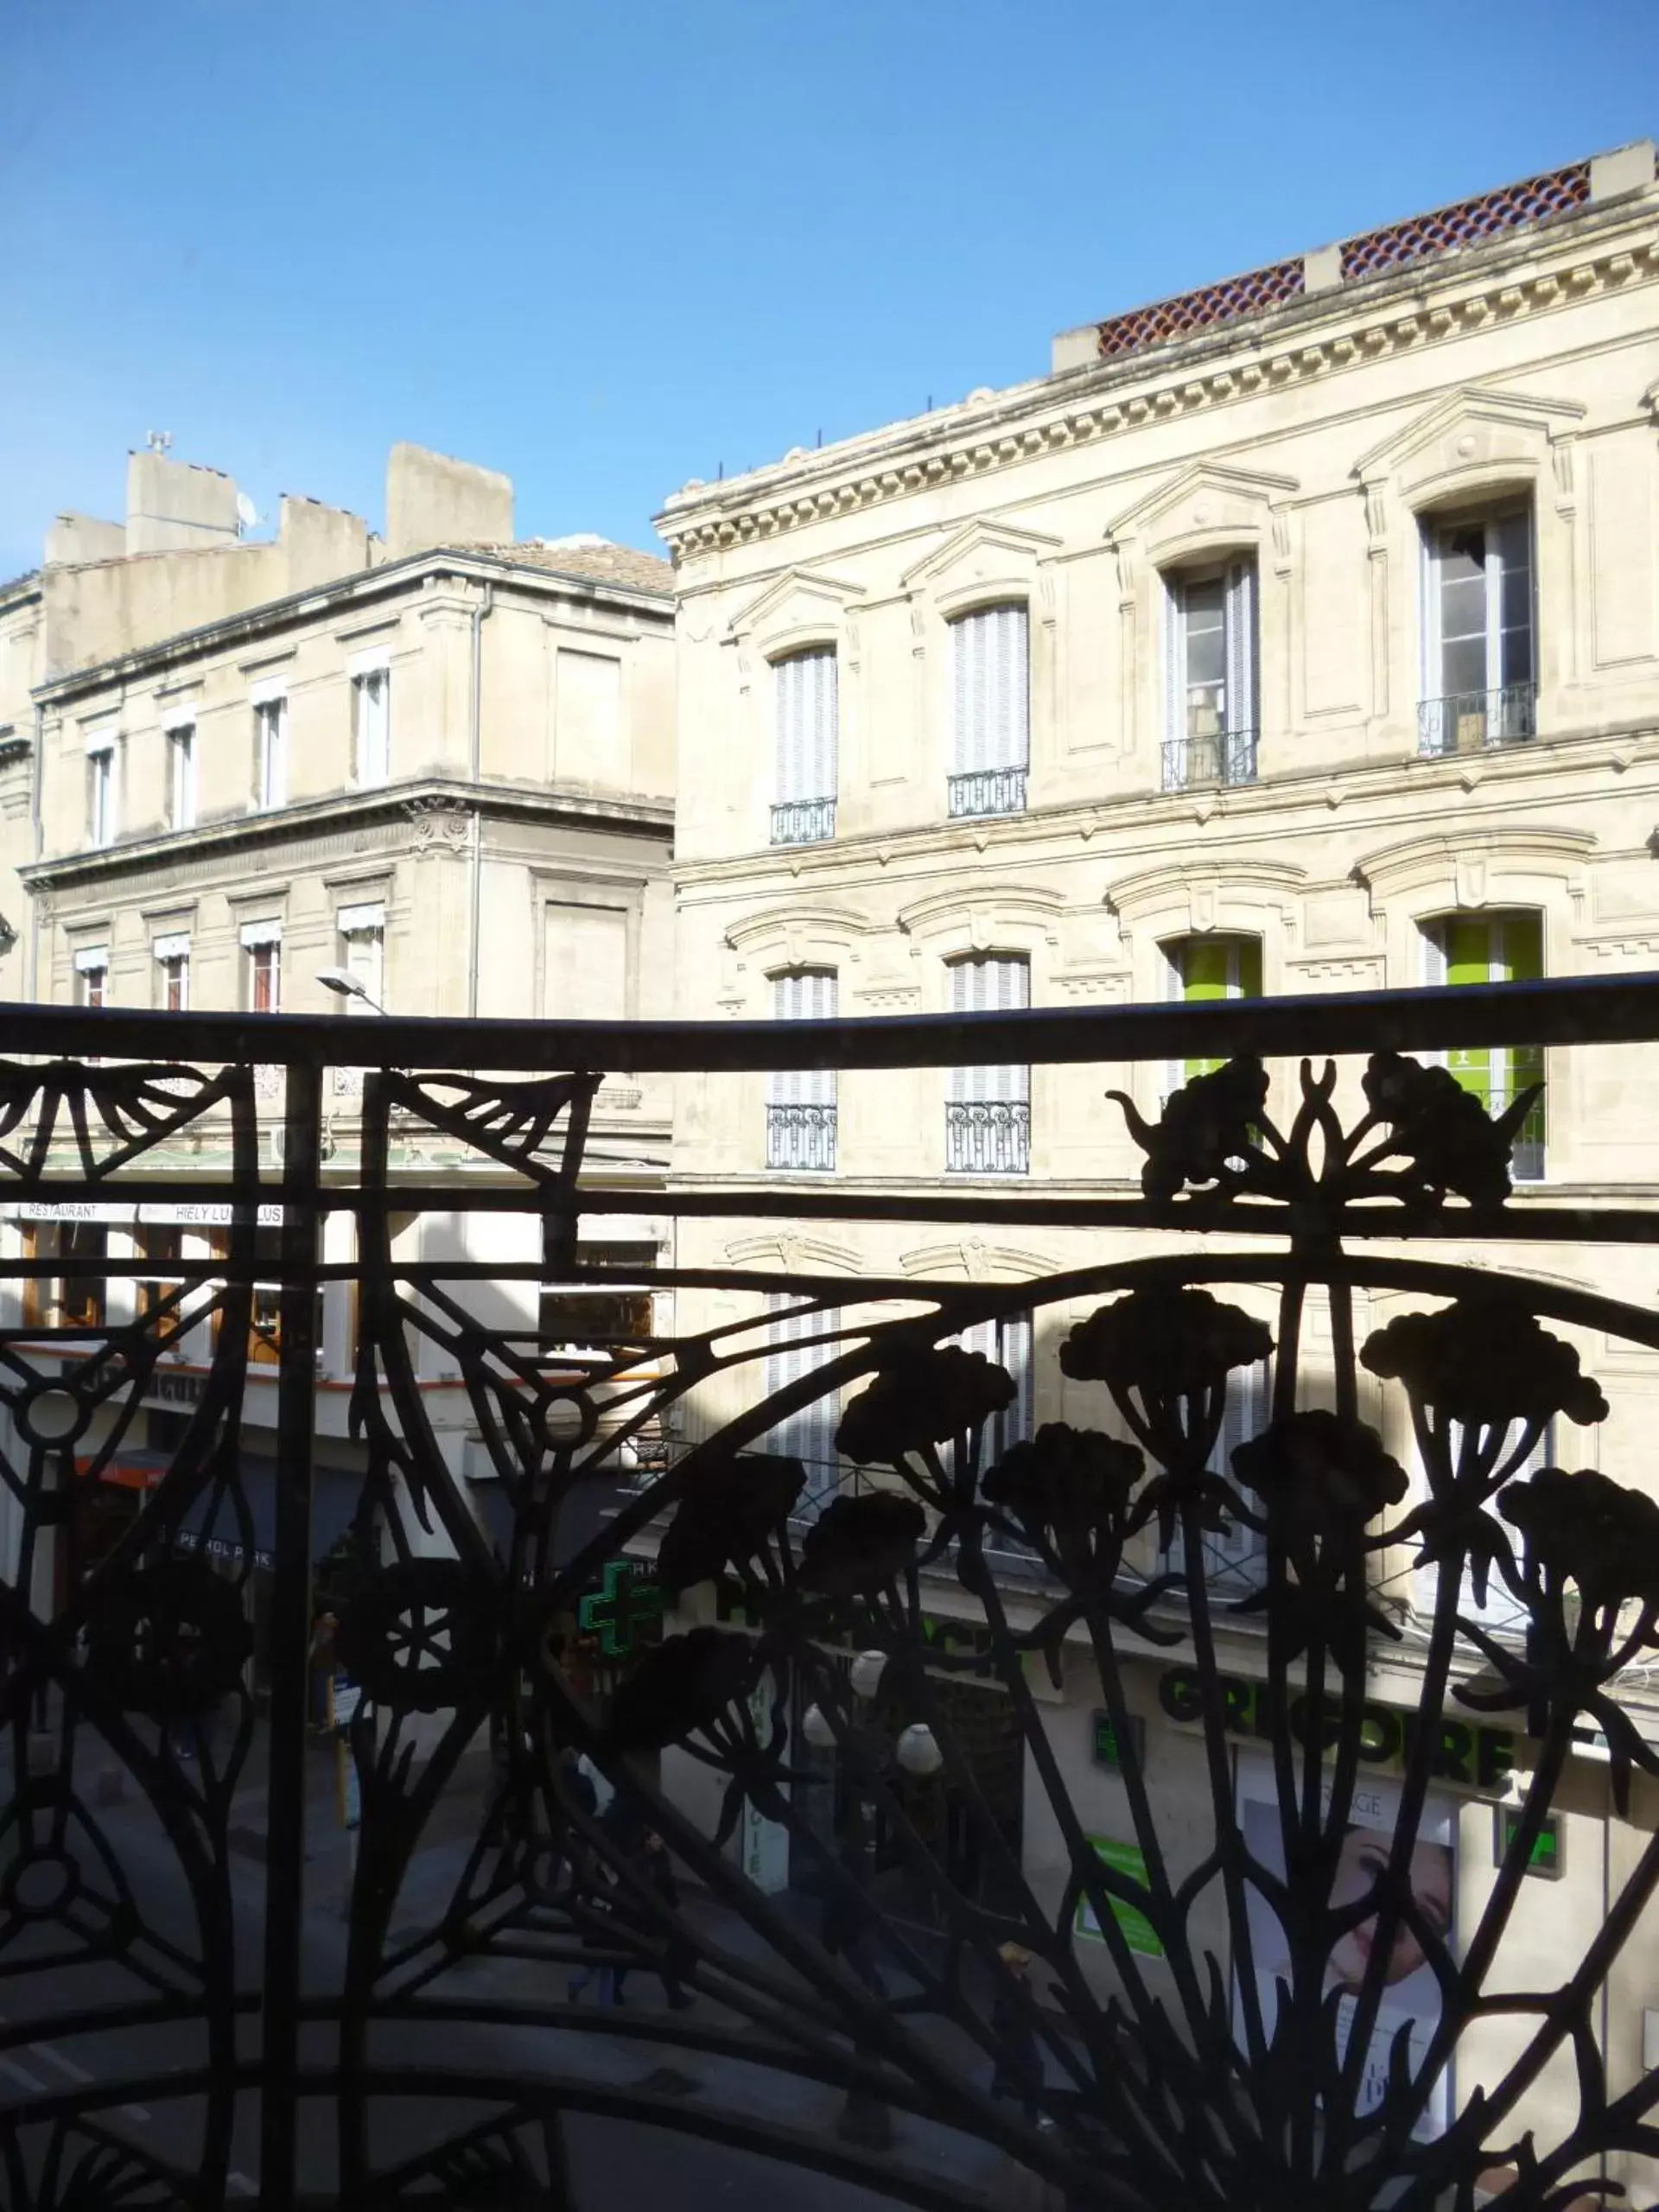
988 1136
1226 756
988 791
803 822
1470 722
801 1138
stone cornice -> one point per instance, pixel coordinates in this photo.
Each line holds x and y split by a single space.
1605 249
411 803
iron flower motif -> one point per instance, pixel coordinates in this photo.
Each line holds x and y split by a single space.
728 1511
679 1687
1453 1143
1165 1344
420 1635
922 1398
1320 1474
1206 1127
171 1640
1070 1489
1588 1529
1485 1361
859 1546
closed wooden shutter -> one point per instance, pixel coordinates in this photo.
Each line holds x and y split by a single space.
804 995
991 691
991 982
806 706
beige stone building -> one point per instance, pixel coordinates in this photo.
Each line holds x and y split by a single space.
436 768
1297 634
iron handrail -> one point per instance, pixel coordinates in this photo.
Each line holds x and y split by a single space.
1557 1010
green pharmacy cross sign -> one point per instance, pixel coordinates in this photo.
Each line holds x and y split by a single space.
624 1603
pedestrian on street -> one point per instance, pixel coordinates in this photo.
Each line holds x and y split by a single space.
1019 2069
655 1869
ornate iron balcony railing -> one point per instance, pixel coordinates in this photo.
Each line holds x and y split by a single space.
988 791
1469 722
988 1136
800 1137
1314 1639
1225 757
803 822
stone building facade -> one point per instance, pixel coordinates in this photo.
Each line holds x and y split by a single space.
1299 634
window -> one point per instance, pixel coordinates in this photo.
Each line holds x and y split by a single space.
93 976
262 946
1479 677
363 955
1211 633
810 1434
585 970
162 1245
100 795
182 776
1498 1610
83 1247
805 707
987 1110
371 726
801 1102
1505 948
1204 969
1235 1560
1006 1341
173 972
990 708
271 752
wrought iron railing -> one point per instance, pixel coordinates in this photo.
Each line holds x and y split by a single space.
1264 1975
1222 756
988 1136
800 1137
987 791
1469 722
802 822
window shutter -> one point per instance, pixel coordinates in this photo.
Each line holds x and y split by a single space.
990 669
810 1434
1174 683
791 743
804 994
1241 646
824 724
990 983
966 658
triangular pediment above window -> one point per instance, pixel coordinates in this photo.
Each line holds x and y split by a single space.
1468 432
1203 499
983 552
799 602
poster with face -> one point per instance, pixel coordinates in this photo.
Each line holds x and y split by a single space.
1411 1997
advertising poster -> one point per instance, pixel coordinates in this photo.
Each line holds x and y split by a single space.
1411 1997
1138 1931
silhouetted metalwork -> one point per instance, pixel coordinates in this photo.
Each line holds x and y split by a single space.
1174 2079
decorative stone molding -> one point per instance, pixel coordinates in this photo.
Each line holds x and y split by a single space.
1206 508
1198 896
1476 439
996 433
801 608
971 1260
790 1254
442 825
1013 915
801 935
1519 866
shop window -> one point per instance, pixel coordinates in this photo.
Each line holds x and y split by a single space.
594 1322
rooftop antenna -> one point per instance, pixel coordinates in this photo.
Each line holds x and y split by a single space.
158 441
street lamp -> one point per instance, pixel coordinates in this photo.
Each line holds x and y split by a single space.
345 985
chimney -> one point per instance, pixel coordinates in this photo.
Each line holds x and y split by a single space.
433 500
173 506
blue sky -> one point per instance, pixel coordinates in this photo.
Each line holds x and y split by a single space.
609 248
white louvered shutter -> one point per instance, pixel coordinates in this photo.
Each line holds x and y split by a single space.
1241 708
1237 1556
810 1434
991 688
1174 776
996 983
804 994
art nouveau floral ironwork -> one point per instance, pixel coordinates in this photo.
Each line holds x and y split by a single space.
1176 2077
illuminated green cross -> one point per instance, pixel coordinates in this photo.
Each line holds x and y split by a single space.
626 1603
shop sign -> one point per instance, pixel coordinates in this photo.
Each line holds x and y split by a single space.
766 1842
1138 1931
1120 1751
1545 1856
219 1547
628 1602
173 1386
1473 1758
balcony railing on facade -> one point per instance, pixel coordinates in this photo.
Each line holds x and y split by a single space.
1379 1186
987 791
803 822
801 1138
1473 721
988 1136
1217 757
